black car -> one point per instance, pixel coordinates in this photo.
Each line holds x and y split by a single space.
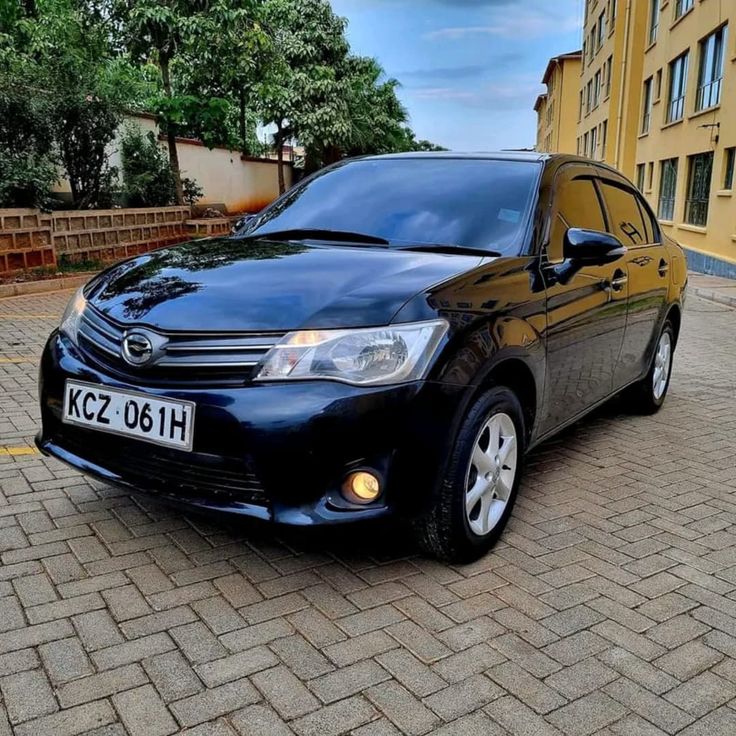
389 338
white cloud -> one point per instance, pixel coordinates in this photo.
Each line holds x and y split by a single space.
519 22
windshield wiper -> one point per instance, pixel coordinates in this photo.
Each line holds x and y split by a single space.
337 236
461 250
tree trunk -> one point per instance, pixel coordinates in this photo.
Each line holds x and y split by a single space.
279 140
243 141
171 136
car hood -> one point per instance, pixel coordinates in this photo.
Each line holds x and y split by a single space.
238 285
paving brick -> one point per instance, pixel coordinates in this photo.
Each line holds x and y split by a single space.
132 651
516 718
259 720
102 685
348 681
582 678
32 590
335 719
301 657
688 660
461 698
702 694
587 714
97 630
214 703
144 713
172 676
286 694
197 642
471 661
235 666
27 695
407 713
529 689
14 662
70 722
64 660
411 672
32 636
360 647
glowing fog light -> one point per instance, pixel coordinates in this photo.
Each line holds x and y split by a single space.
361 487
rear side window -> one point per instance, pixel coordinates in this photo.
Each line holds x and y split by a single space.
626 214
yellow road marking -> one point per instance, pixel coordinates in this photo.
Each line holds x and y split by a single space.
17 451
19 359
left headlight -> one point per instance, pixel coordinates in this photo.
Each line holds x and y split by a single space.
364 357
69 325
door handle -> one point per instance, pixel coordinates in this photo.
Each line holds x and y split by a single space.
664 268
619 280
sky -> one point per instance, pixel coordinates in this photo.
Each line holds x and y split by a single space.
470 70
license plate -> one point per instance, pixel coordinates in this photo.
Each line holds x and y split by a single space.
160 421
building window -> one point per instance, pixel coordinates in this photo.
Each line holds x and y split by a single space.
601 29
646 117
609 74
604 138
682 6
641 170
710 79
653 20
589 96
698 189
658 86
593 142
585 144
596 89
678 88
612 10
668 190
728 175
650 177
582 104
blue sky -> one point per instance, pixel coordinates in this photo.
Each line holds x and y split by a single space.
470 69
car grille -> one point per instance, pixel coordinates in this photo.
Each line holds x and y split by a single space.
187 476
185 357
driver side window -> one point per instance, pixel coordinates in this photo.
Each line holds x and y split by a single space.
576 204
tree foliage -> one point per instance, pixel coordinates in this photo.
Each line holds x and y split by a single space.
210 69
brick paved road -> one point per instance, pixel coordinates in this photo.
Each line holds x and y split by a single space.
609 608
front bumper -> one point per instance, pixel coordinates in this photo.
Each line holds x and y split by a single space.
276 452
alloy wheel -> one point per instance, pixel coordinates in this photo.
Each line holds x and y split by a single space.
491 473
662 365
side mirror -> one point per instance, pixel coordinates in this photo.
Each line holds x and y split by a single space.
241 223
591 247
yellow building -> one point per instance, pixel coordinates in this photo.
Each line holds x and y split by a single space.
556 109
687 127
610 82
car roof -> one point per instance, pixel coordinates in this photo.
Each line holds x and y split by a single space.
553 160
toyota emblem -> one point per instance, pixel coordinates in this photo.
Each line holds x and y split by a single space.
137 348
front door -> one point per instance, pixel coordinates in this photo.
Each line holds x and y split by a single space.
586 317
648 269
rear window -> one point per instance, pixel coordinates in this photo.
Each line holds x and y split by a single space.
479 203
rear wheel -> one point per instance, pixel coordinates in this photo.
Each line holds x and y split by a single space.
473 501
648 395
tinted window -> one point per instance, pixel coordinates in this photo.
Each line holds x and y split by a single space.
627 222
470 202
576 205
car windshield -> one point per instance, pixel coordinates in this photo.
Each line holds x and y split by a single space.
470 203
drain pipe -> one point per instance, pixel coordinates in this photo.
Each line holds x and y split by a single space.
624 69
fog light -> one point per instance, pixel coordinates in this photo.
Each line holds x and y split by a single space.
361 487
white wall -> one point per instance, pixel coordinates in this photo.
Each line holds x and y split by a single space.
241 185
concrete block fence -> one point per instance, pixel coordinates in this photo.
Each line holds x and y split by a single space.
31 239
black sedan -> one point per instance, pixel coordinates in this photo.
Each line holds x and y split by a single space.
389 338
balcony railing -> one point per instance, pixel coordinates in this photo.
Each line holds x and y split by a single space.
709 94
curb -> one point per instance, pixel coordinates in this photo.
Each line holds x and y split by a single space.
41 287
715 296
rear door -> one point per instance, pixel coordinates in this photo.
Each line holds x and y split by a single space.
586 316
647 267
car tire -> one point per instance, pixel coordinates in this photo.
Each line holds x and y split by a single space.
647 396
452 529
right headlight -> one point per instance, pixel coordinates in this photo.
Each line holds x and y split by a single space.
375 356
69 325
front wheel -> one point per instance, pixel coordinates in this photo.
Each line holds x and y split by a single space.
473 502
648 395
